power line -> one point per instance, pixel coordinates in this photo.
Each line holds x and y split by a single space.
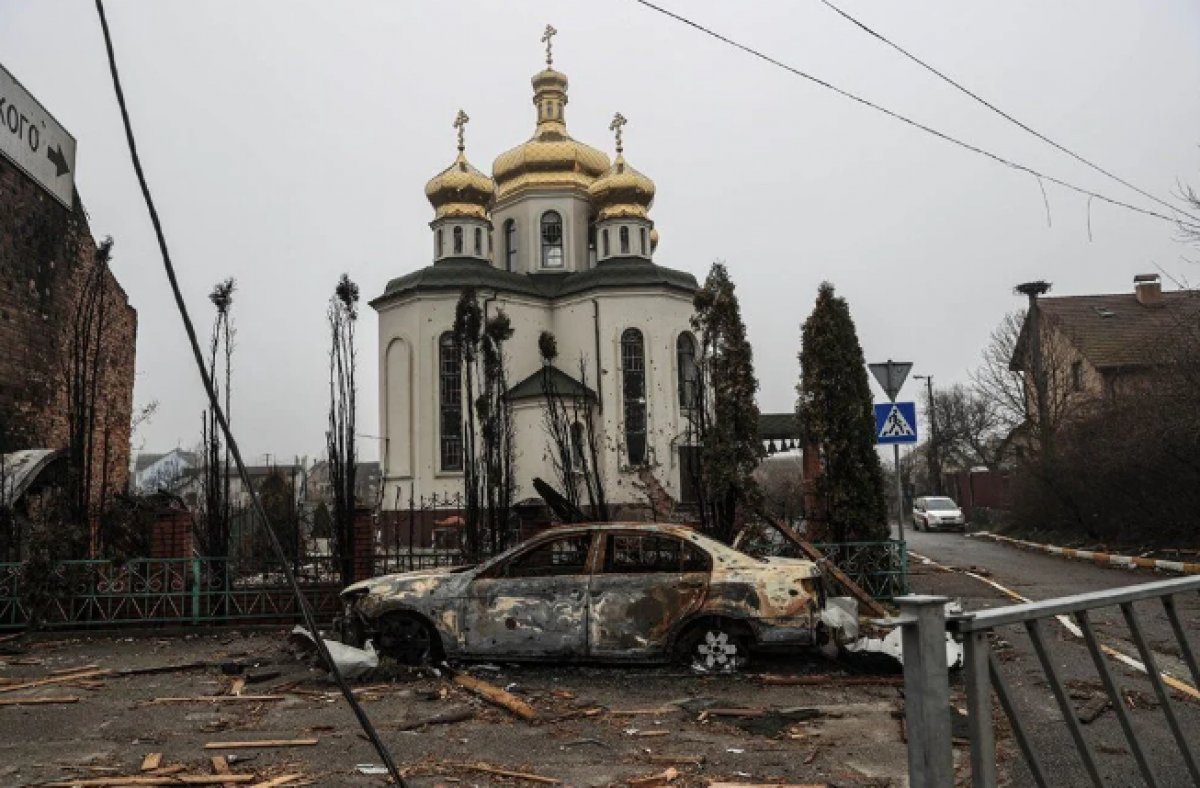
1004 114
910 122
302 602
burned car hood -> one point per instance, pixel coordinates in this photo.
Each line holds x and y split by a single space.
387 584
791 563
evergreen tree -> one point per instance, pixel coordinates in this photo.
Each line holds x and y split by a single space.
836 420
724 417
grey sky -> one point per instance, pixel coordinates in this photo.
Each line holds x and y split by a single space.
287 142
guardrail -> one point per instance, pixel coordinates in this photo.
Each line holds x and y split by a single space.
927 692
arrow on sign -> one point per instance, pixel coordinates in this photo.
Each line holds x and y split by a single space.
55 155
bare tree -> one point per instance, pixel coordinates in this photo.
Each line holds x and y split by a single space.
342 314
214 530
972 431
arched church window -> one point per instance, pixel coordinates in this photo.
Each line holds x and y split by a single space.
624 235
479 242
552 240
577 444
510 244
458 240
633 373
689 379
438 245
642 239
449 404
604 242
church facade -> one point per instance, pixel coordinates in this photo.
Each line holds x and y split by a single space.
559 238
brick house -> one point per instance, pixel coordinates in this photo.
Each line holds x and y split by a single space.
1105 347
47 258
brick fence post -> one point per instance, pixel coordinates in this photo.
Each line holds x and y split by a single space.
171 534
364 543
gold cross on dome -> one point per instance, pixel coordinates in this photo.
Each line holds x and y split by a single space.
460 122
547 38
618 122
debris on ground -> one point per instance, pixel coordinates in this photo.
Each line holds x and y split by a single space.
1091 711
351 662
447 717
496 696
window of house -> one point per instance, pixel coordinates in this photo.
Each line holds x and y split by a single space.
633 372
458 240
646 553
450 404
479 242
1077 376
685 359
552 240
642 239
604 243
439 244
565 556
624 236
577 446
510 244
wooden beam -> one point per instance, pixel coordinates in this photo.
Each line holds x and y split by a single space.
252 745
496 696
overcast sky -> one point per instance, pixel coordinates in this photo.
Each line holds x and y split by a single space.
287 142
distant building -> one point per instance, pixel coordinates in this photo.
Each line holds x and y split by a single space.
163 472
366 484
1105 347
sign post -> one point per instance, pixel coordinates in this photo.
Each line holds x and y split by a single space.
33 140
895 423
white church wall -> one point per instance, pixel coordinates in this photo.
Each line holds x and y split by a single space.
527 212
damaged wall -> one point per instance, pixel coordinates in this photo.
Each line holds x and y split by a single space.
46 254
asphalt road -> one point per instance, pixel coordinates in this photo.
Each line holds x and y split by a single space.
1041 577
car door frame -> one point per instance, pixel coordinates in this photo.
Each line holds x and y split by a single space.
523 634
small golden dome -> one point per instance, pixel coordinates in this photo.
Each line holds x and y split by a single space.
460 190
653 238
550 157
621 192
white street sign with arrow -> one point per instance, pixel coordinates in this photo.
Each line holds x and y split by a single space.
33 140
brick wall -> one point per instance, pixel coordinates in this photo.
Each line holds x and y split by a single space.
46 254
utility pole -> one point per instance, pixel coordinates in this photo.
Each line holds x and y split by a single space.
933 458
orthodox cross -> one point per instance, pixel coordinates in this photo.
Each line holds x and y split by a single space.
547 39
618 122
460 122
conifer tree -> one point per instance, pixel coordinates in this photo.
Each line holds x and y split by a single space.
836 420
725 416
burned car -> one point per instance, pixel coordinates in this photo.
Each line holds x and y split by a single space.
602 592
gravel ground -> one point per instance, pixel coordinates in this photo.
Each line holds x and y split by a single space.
580 738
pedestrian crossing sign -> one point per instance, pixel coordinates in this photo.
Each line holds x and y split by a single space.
896 422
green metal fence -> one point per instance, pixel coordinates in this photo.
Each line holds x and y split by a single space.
157 591
881 568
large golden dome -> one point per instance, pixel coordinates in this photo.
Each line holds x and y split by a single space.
550 157
460 190
622 191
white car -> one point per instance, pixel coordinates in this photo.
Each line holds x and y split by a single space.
932 513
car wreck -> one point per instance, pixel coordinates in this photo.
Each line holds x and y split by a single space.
630 592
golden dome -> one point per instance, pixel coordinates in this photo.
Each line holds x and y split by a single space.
550 157
460 190
622 191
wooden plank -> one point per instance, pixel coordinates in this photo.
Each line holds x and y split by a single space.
496 696
282 779
221 766
146 779
38 701
222 699
816 555
489 769
80 669
48 680
151 761
251 745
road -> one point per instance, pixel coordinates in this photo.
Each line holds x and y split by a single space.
1041 577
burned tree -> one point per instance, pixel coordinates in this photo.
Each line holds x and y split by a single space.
214 531
467 334
722 413
571 431
342 314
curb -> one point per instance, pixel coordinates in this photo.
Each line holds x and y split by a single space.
1096 557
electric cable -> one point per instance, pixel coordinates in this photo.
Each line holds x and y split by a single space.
1004 114
256 505
915 123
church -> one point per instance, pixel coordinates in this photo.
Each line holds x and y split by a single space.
560 239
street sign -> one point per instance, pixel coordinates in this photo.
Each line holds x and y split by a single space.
896 422
33 140
891 376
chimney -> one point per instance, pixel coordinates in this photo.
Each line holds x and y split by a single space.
1148 288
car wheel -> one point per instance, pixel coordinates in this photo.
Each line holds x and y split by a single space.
715 646
406 639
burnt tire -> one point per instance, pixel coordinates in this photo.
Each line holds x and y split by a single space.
714 646
407 639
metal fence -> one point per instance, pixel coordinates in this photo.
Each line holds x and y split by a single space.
879 568
160 591
927 694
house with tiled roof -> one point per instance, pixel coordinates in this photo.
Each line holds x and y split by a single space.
1104 347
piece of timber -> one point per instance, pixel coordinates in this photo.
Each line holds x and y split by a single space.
38 701
252 745
496 696
151 761
143 779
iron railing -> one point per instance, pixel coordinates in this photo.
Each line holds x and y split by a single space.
927 694
879 568
159 591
